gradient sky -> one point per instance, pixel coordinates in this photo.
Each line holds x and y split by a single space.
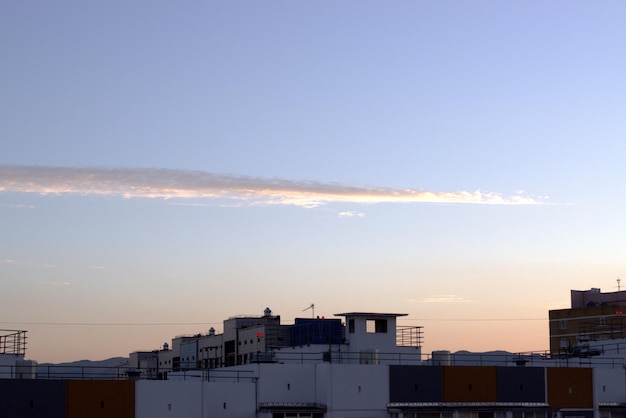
165 165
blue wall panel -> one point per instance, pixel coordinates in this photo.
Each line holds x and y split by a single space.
415 384
317 331
33 398
521 384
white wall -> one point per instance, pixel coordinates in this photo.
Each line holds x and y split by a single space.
609 385
229 399
287 383
358 390
7 365
347 390
361 340
165 398
194 399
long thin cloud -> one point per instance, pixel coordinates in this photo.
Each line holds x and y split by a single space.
442 299
167 184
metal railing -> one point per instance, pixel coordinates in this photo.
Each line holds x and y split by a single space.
613 356
12 341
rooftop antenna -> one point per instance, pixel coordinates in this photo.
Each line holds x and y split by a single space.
618 284
312 307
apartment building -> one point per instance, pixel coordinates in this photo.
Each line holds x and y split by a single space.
593 319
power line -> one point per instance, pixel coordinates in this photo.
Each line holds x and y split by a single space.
110 323
140 324
472 319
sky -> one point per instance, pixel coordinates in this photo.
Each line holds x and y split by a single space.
166 165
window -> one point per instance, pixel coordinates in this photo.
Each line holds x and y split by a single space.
378 326
563 324
351 326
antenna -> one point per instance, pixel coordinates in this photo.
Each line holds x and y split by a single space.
312 307
618 284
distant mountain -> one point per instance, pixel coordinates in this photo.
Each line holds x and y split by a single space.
488 358
112 368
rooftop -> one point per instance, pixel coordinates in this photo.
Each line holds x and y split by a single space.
371 314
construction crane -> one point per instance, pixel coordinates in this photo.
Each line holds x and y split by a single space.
312 307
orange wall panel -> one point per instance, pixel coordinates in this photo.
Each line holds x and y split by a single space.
570 387
100 399
469 384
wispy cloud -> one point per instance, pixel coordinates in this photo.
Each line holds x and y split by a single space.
167 184
441 299
351 214
59 283
16 206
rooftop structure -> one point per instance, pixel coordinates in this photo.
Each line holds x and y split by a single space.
595 297
12 342
593 319
370 338
12 352
330 368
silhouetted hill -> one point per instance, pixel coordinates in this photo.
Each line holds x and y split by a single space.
112 368
488 358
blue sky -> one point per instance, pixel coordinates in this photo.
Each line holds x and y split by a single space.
164 166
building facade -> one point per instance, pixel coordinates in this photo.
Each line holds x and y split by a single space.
363 365
368 338
594 319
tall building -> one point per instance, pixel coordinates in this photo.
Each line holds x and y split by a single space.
593 318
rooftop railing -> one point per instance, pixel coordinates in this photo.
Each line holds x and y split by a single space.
612 356
12 342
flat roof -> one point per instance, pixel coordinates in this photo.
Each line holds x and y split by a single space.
370 314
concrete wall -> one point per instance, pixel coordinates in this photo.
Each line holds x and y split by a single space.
357 391
7 365
195 399
229 399
609 385
161 398
361 340
287 383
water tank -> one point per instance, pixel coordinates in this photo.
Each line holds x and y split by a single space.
441 358
211 331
